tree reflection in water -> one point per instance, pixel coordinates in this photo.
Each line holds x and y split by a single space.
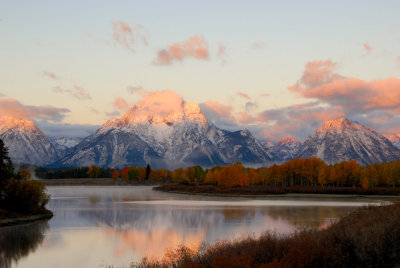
19 241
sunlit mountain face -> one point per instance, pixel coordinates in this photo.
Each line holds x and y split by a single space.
26 143
165 131
343 140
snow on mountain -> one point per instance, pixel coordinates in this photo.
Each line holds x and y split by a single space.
26 143
342 139
394 139
67 142
286 148
165 131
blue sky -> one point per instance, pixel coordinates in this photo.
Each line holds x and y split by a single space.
65 55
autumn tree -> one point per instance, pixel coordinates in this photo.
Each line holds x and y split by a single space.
93 171
115 174
24 174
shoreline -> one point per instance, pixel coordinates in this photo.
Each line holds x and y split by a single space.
21 219
294 195
95 182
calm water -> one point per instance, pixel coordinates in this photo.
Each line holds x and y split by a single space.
99 226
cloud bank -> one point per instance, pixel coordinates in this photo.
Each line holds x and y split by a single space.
13 108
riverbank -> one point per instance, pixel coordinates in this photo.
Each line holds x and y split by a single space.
10 218
368 237
268 191
97 182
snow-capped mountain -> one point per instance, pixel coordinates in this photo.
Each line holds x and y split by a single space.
26 143
286 148
342 139
165 131
394 139
67 142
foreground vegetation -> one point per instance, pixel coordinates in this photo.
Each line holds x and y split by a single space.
21 197
369 237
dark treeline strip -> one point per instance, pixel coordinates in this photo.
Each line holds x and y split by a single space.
369 237
256 190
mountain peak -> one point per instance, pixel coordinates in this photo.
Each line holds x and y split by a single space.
339 124
288 140
161 107
7 123
343 140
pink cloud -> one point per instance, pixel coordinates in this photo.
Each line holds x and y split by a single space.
120 103
76 92
243 95
194 47
356 96
126 36
219 108
2 95
367 48
13 108
50 75
265 95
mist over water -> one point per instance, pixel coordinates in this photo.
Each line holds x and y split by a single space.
97 226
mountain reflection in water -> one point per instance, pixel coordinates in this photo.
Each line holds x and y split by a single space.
102 226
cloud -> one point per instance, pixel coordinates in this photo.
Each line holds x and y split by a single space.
76 92
120 103
265 95
250 106
136 89
398 61
221 53
50 75
194 47
258 45
66 130
2 95
354 95
243 95
297 120
112 114
12 107
367 48
219 114
127 37
94 110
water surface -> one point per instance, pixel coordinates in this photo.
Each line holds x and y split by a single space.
96 226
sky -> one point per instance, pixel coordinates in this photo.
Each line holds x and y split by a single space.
276 68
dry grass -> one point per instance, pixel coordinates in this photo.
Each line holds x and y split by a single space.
369 237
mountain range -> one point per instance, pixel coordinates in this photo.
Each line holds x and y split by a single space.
168 132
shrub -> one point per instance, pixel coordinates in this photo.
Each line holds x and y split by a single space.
25 196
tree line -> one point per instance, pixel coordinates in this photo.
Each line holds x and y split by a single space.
312 172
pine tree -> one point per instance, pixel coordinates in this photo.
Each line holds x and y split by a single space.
6 167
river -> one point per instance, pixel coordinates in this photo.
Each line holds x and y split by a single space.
98 226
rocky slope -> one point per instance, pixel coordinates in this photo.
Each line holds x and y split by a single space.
286 148
26 143
165 131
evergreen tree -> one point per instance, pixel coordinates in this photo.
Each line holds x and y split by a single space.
6 167
148 171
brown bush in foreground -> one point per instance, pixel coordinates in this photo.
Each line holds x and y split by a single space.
369 237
